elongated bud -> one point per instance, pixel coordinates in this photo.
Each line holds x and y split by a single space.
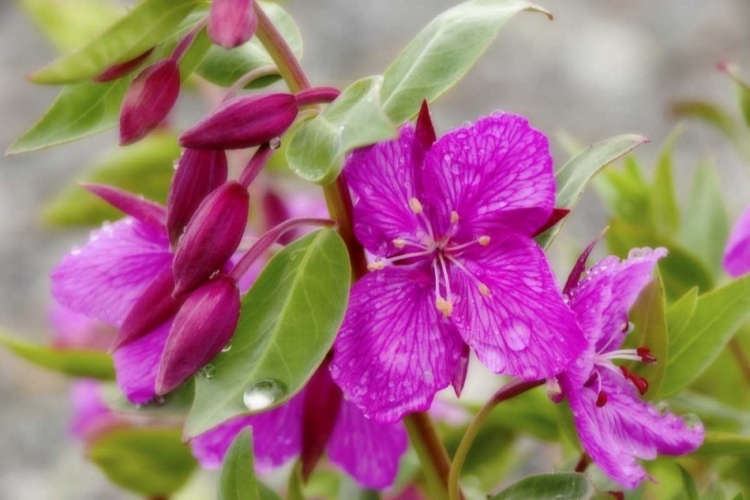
122 69
459 378
140 209
201 329
149 100
580 266
320 411
211 237
155 306
199 172
231 22
274 213
243 123
556 216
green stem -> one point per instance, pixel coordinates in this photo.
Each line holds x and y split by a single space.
422 433
506 392
739 355
431 452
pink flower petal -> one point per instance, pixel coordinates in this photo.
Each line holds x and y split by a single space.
277 437
89 410
737 253
394 350
77 331
365 449
496 174
522 327
626 428
105 277
137 363
383 176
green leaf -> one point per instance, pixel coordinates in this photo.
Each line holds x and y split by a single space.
237 480
224 67
71 23
691 491
721 444
626 193
680 313
573 177
289 320
142 28
79 111
148 461
354 119
294 486
176 403
73 362
144 168
743 90
666 211
443 52
562 486
718 314
649 317
705 228
715 415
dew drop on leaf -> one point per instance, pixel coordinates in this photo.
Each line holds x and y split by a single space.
263 394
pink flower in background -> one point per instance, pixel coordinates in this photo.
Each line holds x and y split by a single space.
451 228
614 424
737 253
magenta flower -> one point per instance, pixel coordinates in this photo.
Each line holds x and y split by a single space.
367 450
737 253
614 424
451 228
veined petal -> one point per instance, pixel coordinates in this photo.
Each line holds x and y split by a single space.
590 297
105 277
367 450
137 363
394 350
626 428
277 437
383 177
737 253
495 174
629 277
519 325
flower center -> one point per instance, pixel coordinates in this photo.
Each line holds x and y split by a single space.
442 253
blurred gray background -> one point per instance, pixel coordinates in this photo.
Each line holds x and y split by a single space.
602 68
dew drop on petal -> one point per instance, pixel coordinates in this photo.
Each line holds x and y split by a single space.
274 143
227 348
692 420
207 372
516 334
263 394
662 406
75 251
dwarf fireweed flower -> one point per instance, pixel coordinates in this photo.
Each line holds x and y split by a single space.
614 424
450 225
737 253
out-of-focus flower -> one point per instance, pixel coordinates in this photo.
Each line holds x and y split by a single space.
737 252
231 22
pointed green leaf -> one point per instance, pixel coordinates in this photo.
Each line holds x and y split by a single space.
73 362
649 317
237 480
71 23
626 193
148 461
705 228
575 175
718 315
742 87
144 168
666 211
720 444
142 28
443 52
680 313
294 486
289 320
688 484
224 67
316 151
562 486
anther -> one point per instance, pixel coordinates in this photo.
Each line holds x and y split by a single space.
646 356
601 399
454 217
376 266
444 306
399 243
484 289
484 240
640 383
415 206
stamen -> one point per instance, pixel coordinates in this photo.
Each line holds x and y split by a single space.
444 306
376 266
399 243
454 217
646 356
640 383
601 399
443 267
483 289
415 206
484 240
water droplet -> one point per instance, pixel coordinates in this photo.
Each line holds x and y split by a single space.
75 251
263 394
662 406
227 348
275 143
516 334
692 421
629 328
207 372
176 164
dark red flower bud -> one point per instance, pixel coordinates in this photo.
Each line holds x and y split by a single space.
149 100
459 378
199 172
211 237
243 122
155 306
320 411
231 22
556 216
122 69
275 212
201 329
141 209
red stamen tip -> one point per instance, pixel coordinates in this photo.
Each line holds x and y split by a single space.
625 371
640 383
618 495
592 379
601 399
645 354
